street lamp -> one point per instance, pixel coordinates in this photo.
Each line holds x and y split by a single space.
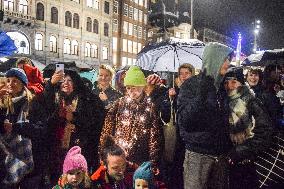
256 25
191 20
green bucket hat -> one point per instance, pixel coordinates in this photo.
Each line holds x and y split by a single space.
135 77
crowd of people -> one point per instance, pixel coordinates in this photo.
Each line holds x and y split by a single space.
204 132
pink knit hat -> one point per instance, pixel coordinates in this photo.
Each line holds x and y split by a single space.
74 160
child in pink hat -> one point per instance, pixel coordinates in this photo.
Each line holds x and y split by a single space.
75 171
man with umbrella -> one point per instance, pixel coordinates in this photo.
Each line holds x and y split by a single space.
200 120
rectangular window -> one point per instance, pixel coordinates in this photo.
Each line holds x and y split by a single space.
124 61
105 53
129 61
139 32
135 30
115 25
146 4
114 43
106 8
115 7
135 47
125 10
125 27
124 48
145 19
140 16
136 1
130 29
141 3
144 34
129 46
97 4
135 14
130 14
139 47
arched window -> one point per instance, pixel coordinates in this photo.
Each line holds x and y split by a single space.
52 44
106 29
40 12
74 47
88 50
23 6
67 46
9 5
39 41
89 24
96 26
54 15
21 42
94 51
76 19
68 19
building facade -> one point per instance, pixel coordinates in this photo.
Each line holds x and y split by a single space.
130 18
208 35
61 30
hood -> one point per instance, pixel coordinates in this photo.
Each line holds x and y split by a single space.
214 55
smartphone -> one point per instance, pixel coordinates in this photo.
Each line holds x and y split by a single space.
59 67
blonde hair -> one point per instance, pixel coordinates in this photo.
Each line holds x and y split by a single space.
108 68
86 180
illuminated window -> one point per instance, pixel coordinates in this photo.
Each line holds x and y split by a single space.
135 31
88 50
130 12
135 14
115 7
39 42
124 61
145 19
129 47
67 46
125 27
141 3
94 51
23 6
135 47
139 32
124 47
114 43
139 47
52 44
9 5
140 16
129 61
74 47
105 53
125 10
130 29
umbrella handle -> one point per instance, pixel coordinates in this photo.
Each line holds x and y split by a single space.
173 80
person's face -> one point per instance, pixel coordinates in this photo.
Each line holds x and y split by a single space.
75 177
116 166
141 184
14 86
134 92
252 79
67 85
184 74
21 66
231 85
224 67
104 78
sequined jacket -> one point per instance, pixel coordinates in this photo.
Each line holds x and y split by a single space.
135 127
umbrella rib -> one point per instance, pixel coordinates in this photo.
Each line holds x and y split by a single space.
162 52
190 52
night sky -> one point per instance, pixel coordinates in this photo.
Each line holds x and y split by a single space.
232 16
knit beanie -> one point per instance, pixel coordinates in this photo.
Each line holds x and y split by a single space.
134 77
18 73
235 73
74 160
144 172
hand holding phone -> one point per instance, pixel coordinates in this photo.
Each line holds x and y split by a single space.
58 74
59 67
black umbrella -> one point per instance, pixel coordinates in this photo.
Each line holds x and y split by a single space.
265 58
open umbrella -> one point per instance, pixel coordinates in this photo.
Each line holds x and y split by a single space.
7 46
265 58
167 56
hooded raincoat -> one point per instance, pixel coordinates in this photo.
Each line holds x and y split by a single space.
199 117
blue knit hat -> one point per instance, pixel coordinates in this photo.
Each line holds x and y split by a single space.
144 172
18 73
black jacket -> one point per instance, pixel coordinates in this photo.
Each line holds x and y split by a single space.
199 117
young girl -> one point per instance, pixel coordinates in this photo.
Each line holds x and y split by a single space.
143 178
75 171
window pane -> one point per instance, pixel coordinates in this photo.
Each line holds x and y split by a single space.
129 46
125 27
105 53
52 44
124 48
114 43
115 25
130 29
106 7
39 42
125 12
130 12
94 51
40 12
115 7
